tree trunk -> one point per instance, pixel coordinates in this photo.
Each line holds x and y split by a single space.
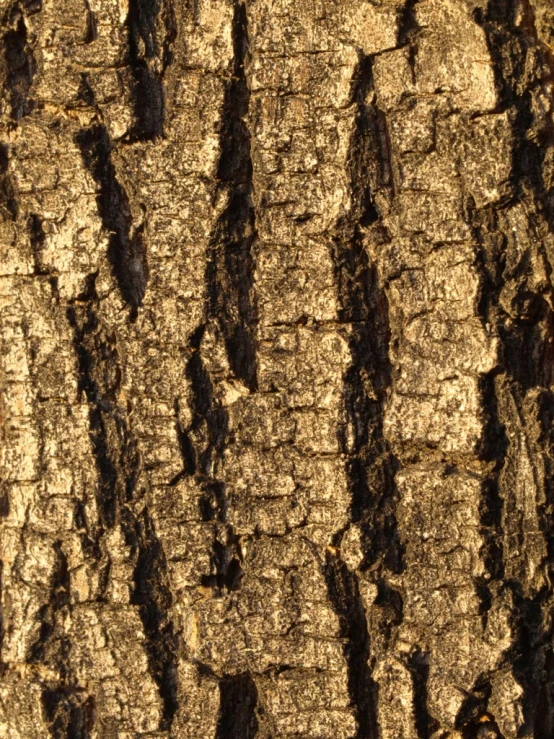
276 363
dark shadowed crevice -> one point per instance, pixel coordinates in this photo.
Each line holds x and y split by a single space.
230 275
8 199
186 447
20 64
230 307
418 665
494 443
344 594
206 439
153 596
50 647
363 303
530 650
126 250
525 324
408 30
370 465
70 713
2 624
68 708
119 470
92 351
511 35
149 57
474 719
91 31
544 717
238 700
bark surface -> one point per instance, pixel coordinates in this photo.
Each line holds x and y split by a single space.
276 335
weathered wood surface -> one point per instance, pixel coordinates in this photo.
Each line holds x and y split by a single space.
276 366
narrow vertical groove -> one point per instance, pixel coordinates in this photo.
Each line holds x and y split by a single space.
126 250
363 304
526 334
20 63
238 698
153 596
208 435
370 465
408 29
344 594
230 305
231 274
8 200
119 469
68 708
149 58
418 665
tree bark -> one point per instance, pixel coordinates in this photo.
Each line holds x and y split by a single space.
276 368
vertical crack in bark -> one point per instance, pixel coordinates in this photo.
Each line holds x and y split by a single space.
8 200
148 60
231 274
370 466
152 594
91 32
347 603
68 708
526 327
408 30
418 665
91 350
208 434
512 44
119 467
238 699
70 714
490 258
230 305
126 250
364 305
20 64
474 720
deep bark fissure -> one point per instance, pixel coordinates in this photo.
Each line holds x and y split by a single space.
370 466
408 29
525 333
510 42
119 467
208 435
148 60
152 594
19 59
238 698
230 306
363 304
68 708
230 275
37 237
70 713
344 594
8 200
126 250
91 32
474 718
493 448
520 368
418 665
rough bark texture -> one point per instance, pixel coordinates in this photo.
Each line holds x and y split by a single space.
277 355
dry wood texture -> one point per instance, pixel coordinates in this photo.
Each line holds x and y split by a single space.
277 328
